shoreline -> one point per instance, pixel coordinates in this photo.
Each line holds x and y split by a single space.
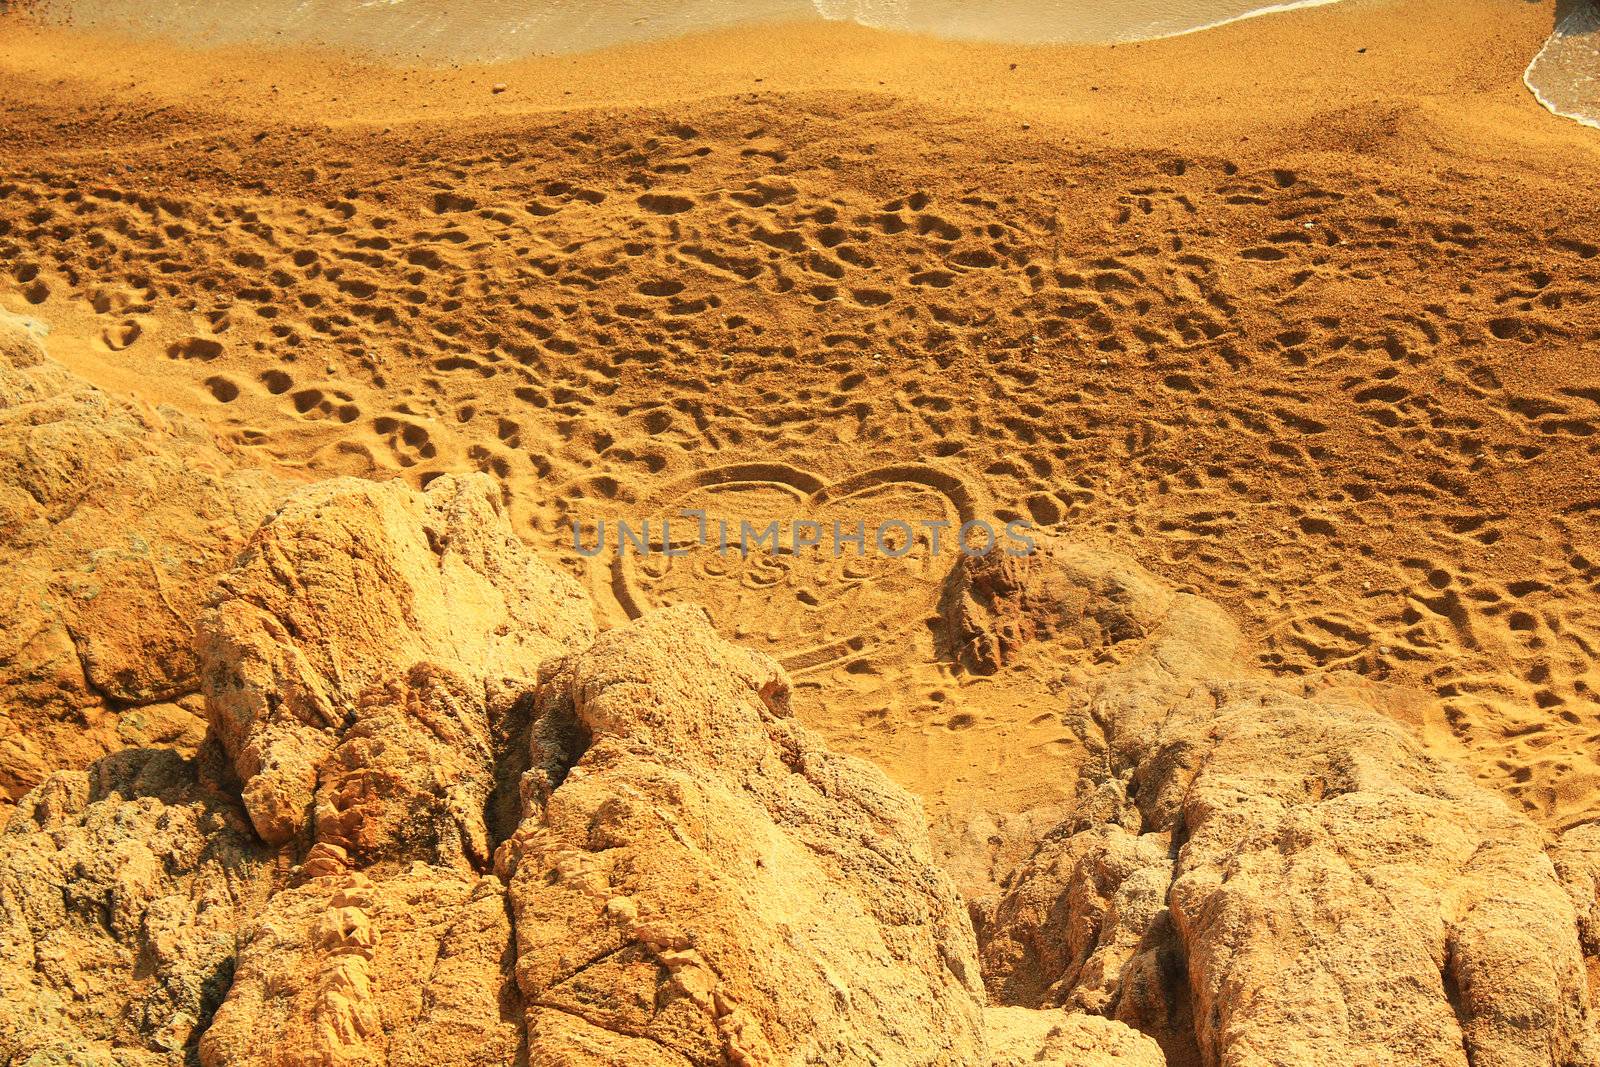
452 37
1366 52
1558 38
1273 9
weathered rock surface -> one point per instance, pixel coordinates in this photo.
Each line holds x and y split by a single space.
1077 913
1577 860
1262 879
121 891
115 518
700 881
1065 598
407 968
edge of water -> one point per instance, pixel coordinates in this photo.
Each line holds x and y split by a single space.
1549 105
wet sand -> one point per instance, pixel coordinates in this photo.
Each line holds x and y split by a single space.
1565 75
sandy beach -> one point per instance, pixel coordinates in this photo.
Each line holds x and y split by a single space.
1288 336
1301 313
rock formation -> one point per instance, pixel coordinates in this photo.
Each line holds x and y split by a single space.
362 653
1062 598
1257 877
439 819
115 518
362 663
699 880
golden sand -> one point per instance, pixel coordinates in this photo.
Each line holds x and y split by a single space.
1301 312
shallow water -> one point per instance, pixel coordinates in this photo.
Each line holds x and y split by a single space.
1052 21
1565 75
492 30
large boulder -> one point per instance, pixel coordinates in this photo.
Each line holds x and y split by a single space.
115 518
698 880
359 655
1064 598
1266 878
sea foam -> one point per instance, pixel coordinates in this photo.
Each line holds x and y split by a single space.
1052 21
1565 75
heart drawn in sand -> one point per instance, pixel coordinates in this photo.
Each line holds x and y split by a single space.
811 607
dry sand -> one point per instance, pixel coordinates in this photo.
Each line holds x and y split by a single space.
1301 312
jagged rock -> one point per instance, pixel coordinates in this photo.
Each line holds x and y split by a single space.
1026 1037
1326 850
368 662
1077 914
114 519
121 889
1278 880
699 881
357 651
361 662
